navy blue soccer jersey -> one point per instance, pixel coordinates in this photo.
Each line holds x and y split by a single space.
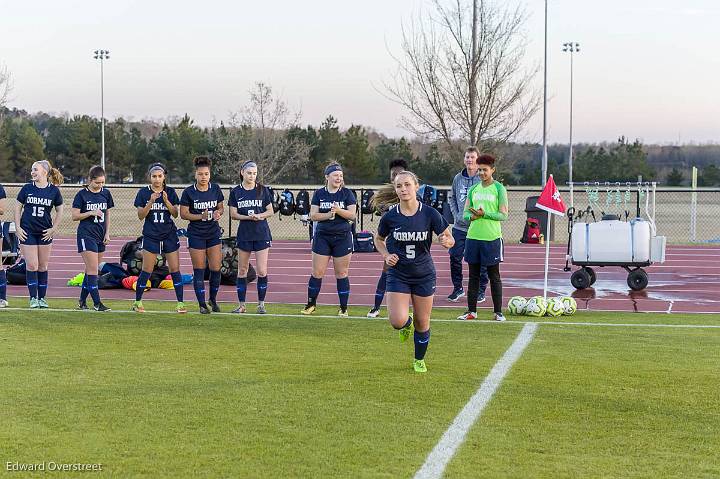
410 237
158 224
199 201
247 202
2 192
93 227
324 200
38 204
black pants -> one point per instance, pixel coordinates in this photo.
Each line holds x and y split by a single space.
474 285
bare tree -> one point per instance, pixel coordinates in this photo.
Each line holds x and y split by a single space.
460 73
5 87
258 132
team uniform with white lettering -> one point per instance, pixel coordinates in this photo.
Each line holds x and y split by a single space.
333 237
159 230
251 235
38 204
91 230
410 238
203 234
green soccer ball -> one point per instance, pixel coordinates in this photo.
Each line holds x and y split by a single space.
516 305
569 304
536 306
555 307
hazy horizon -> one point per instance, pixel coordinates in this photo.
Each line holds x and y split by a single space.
642 71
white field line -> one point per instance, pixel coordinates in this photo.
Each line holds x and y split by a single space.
453 438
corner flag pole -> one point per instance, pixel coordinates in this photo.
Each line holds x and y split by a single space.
547 254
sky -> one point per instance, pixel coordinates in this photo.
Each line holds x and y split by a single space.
647 69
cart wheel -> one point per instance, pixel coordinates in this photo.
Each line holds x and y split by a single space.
591 273
637 279
580 279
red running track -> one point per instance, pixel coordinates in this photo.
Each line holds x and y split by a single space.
688 281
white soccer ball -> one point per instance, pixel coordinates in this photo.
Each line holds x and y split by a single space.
516 305
555 307
536 306
569 304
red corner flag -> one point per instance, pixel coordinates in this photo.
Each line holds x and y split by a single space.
550 200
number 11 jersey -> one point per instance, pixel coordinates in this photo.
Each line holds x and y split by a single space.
159 224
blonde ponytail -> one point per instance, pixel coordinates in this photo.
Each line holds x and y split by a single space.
55 177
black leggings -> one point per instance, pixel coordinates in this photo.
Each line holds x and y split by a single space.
474 286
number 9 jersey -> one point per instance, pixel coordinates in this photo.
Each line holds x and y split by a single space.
410 237
159 224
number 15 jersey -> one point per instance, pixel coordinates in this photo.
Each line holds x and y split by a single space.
159 224
410 237
38 204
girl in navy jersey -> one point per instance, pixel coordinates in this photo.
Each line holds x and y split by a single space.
251 204
158 204
91 207
333 208
34 213
404 239
202 205
3 276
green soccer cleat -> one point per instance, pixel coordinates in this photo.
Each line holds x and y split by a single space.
180 308
34 304
308 309
342 313
406 332
419 366
138 307
42 303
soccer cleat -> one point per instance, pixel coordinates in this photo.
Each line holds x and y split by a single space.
3 303
481 298
499 317
419 366
467 315
204 309
101 307
373 313
214 306
180 308
42 303
82 306
456 295
240 309
342 313
34 303
138 307
406 332
261 308
308 309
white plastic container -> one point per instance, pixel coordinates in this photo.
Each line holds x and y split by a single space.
657 249
640 232
578 246
609 241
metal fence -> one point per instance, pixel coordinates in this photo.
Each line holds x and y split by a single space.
676 217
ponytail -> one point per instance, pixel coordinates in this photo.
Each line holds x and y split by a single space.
55 177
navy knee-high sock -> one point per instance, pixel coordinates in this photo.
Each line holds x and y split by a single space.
241 288
262 282
314 285
92 284
140 286
32 283
3 284
199 285
422 340
84 292
178 284
343 290
42 283
214 285
380 290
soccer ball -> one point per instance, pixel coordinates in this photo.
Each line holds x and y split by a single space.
536 306
555 307
569 304
516 305
135 266
160 261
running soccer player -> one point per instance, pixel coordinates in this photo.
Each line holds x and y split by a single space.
202 205
485 207
157 204
333 208
37 226
90 208
396 166
251 204
3 276
404 239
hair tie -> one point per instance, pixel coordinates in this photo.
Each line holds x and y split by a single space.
332 169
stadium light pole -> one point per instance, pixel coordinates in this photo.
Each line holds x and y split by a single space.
572 48
102 55
544 153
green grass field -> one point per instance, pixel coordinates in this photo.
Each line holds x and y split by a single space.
160 395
